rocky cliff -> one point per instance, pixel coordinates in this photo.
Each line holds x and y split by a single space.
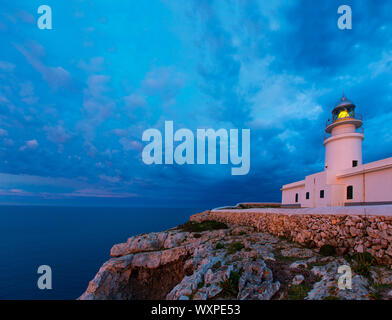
212 260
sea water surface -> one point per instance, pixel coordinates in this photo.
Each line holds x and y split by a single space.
73 241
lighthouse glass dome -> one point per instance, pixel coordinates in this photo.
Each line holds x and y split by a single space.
343 109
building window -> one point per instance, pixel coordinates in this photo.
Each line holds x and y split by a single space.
355 163
296 197
307 195
321 194
349 192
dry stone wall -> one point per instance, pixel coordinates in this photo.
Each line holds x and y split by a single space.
347 233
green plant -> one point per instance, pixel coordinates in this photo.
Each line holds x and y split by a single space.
219 246
363 262
376 294
230 285
197 235
192 226
234 247
286 238
216 266
327 250
298 292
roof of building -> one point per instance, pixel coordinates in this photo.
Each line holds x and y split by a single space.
343 102
367 167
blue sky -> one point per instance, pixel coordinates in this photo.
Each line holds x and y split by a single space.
75 100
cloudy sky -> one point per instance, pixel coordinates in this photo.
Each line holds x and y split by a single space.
75 100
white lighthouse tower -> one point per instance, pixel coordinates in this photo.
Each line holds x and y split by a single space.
345 180
343 148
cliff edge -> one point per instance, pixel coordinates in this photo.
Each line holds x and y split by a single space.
206 259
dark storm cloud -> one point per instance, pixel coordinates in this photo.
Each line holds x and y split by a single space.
75 101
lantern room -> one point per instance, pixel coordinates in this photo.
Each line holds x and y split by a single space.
344 109
344 112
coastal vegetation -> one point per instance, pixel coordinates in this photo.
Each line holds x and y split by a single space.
191 226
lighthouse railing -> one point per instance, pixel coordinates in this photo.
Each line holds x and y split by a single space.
356 116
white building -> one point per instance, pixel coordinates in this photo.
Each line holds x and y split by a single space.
345 180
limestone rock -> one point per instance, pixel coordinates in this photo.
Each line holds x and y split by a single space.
180 265
381 275
298 279
147 242
299 264
253 283
297 253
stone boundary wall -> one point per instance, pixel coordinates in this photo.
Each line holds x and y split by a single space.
347 233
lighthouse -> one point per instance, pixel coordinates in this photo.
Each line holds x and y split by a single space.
345 180
343 140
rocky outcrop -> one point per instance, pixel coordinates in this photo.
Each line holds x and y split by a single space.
146 275
238 262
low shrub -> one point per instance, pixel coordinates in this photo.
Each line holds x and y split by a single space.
363 263
298 292
234 247
192 226
216 266
327 250
230 286
219 246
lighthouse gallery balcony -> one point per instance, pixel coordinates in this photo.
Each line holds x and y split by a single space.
353 118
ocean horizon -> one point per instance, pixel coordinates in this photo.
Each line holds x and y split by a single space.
73 241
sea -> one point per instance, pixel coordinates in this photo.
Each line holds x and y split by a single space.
73 241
